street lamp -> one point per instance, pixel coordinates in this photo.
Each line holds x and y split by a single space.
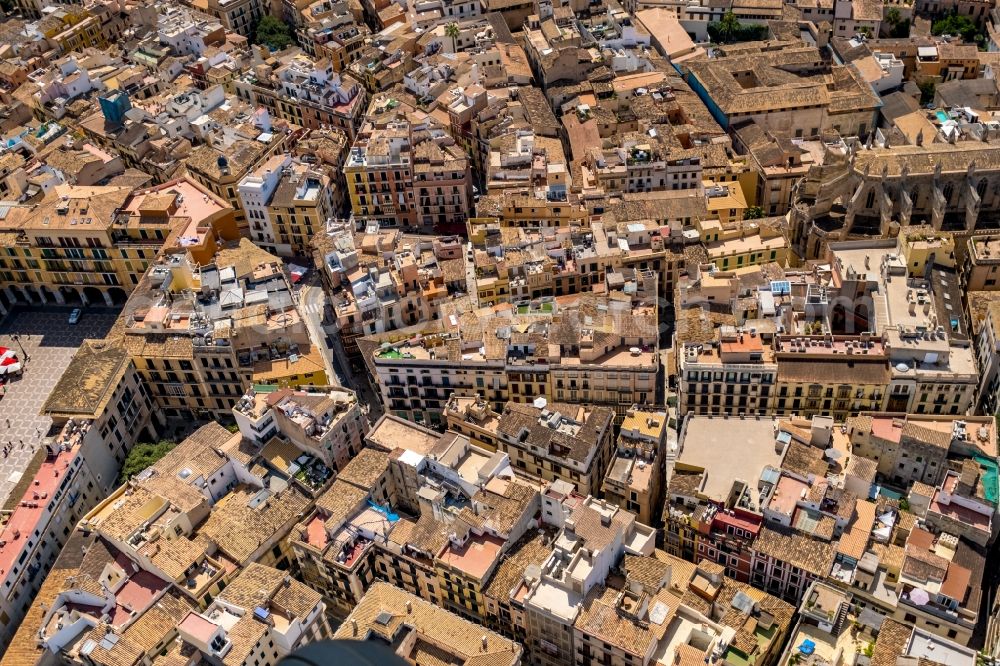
17 339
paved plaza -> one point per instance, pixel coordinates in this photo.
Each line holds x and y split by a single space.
50 342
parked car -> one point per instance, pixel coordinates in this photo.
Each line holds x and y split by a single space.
75 315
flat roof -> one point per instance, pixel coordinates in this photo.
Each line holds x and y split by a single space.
934 648
557 600
25 518
392 432
476 557
729 449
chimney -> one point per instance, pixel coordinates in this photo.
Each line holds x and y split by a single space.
409 607
485 642
354 627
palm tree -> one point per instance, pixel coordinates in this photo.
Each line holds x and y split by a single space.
451 30
729 25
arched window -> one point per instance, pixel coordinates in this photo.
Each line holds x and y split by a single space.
981 188
870 201
948 190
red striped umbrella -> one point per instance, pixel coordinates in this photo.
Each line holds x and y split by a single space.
9 361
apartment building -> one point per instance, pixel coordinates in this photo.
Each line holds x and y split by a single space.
463 567
293 615
553 441
457 539
505 610
221 168
398 176
329 29
323 97
712 510
255 191
519 265
92 244
521 160
912 448
979 269
383 280
734 243
803 515
830 618
988 395
74 28
641 163
963 504
594 536
333 546
628 638
550 206
199 335
135 138
185 32
286 203
416 628
239 16
166 556
634 477
328 425
300 208
904 350
473 418
598 350
64 487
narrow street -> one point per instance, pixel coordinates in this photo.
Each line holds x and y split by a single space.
470 278
312 303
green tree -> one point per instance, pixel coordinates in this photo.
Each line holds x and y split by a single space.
273 33
893 17
754 213
451 30
730 29
142 456
901 29
927 90
954 24
729 26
